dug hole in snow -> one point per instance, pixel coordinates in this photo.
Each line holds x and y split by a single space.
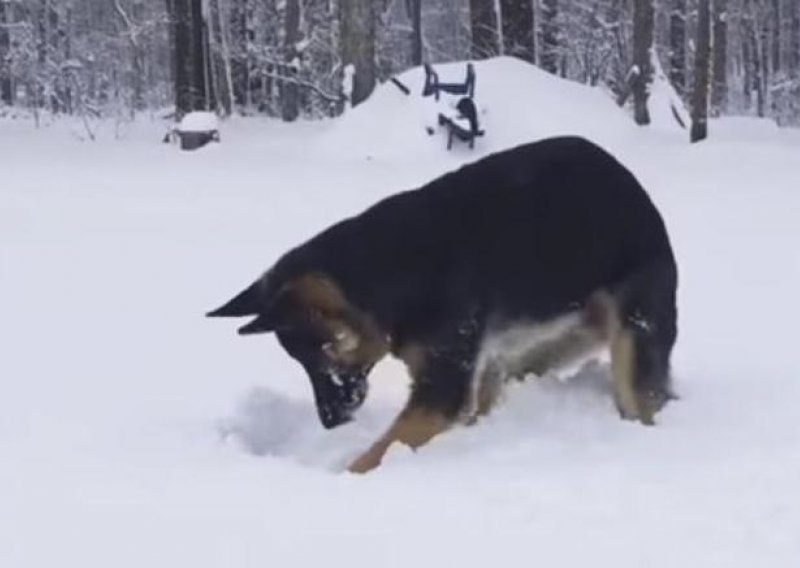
136 433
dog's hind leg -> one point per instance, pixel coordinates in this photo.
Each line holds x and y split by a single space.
489 382
642 329
623 363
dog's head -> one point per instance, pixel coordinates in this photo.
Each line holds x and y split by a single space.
336 343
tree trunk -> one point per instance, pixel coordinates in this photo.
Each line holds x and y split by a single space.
749 56
549 57
52 73
616 14
719 91
677 46
776 33
517 24
137 54
6 96
171 45
41 52
357 43
69 103
220 56
415 14
209 78
240 60
483 24
198 60
191 72
794 38
642 74
762 67
181 56
289 95
702 66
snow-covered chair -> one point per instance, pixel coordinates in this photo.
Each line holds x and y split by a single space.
457 111
434 87
463 124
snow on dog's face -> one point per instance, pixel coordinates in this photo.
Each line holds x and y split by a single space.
336 344
339 388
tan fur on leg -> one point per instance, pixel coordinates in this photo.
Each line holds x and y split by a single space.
414 427
604 310
491 385
623 367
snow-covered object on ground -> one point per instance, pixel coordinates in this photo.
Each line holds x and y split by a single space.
199 121
134 433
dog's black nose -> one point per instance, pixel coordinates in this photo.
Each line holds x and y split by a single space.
331 417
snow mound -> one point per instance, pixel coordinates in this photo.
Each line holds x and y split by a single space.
517 103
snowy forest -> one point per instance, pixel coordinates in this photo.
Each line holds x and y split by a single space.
287 58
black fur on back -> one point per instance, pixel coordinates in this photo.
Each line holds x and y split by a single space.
523 234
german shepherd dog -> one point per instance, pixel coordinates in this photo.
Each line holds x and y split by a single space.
519 263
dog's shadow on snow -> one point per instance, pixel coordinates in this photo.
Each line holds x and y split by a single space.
267 423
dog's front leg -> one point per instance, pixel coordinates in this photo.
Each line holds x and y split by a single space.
415 426
441 373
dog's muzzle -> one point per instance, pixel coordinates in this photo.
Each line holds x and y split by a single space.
338 397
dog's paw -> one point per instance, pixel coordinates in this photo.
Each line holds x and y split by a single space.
366 462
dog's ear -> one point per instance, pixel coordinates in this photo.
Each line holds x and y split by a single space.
257 301
264 323
274 305
249 302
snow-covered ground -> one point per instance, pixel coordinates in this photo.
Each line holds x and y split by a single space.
136 433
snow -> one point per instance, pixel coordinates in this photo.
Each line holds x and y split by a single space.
348 79
664 102
136 433
199 121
